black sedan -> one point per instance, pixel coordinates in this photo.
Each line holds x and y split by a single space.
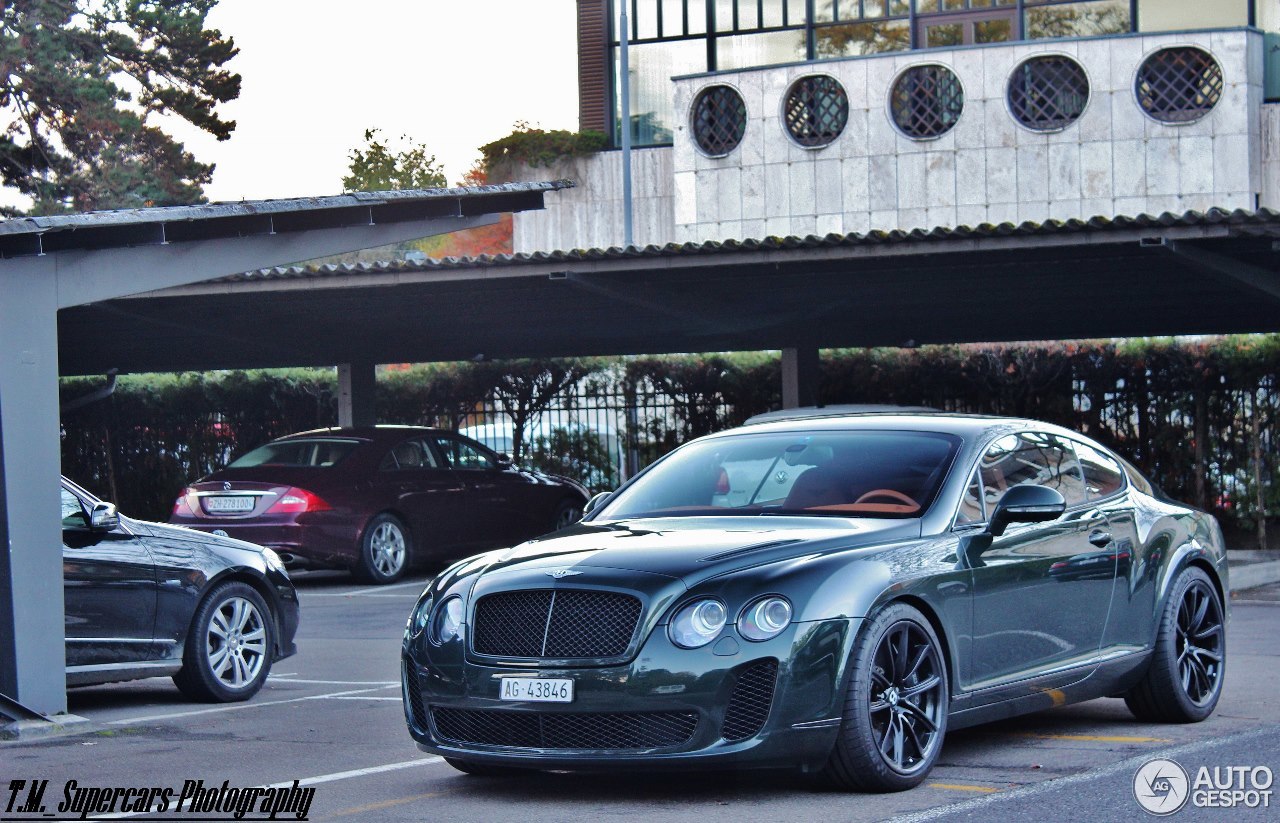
145 600
827 593
377 500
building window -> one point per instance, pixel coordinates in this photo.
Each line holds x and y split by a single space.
816 110
926 101
1073 18
1179 84
719 120
1048 93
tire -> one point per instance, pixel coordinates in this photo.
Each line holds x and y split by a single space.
385 551
895 710
486 770
567 513
1189 662
230 646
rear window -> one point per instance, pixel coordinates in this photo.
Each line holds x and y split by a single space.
318 451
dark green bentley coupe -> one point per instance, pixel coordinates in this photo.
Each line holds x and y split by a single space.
824 592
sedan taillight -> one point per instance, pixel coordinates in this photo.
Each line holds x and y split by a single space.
296 501
181 506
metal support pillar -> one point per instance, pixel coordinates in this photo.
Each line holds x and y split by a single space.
357 387
799 377
32 651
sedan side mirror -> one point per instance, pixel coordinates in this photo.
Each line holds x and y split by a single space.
594 502
104 517
1027 504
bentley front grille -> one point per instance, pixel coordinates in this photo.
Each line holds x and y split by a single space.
555 623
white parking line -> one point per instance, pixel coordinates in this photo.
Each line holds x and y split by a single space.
366 592
308 781
357 697
1130 765
240 706
290 679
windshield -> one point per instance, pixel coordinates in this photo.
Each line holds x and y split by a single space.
315 451
844 474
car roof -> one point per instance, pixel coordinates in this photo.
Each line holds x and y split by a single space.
373 434
969 426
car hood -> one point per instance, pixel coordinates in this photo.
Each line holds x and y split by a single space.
164 531
694 548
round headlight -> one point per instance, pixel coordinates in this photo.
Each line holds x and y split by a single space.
448 621
764 618
421 613
697 624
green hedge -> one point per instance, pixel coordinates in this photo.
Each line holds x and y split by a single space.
1198 416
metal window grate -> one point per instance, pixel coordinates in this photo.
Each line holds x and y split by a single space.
719 120
1179 84
926 101
1048 93
816 111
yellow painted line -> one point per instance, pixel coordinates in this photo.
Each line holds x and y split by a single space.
384 804
961 787
1096 738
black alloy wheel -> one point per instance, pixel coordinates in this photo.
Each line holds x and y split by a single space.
895 713
1189 661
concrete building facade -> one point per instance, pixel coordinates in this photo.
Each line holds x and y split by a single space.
1145 119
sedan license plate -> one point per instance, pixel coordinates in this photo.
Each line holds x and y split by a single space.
537 689
229 503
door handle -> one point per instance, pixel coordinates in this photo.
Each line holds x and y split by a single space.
1099 538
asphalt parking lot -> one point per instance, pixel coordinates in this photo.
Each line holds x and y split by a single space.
331 718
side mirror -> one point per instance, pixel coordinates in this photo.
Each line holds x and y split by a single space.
504 460
104 517
594 502
1026 504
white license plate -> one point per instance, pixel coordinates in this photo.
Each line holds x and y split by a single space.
537 689
230 503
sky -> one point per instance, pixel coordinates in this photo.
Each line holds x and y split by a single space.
452 74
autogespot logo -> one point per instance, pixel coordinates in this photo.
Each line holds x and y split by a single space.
1161 787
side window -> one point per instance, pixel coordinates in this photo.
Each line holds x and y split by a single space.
73 516
971 508
411 454
1031 457
1103 476
462 455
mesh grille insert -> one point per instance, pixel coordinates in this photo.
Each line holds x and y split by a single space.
533 730
560 623
752 697
416 707
1179 85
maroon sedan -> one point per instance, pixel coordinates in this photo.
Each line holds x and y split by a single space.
376 500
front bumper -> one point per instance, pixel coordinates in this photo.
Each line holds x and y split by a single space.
794 726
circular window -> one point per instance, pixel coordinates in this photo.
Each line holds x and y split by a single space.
1179 84
1048 93
926 101
719 120
816 111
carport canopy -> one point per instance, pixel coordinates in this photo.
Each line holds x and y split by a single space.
51 264
1195 273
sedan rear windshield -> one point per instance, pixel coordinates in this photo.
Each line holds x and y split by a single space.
317 451
842 474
